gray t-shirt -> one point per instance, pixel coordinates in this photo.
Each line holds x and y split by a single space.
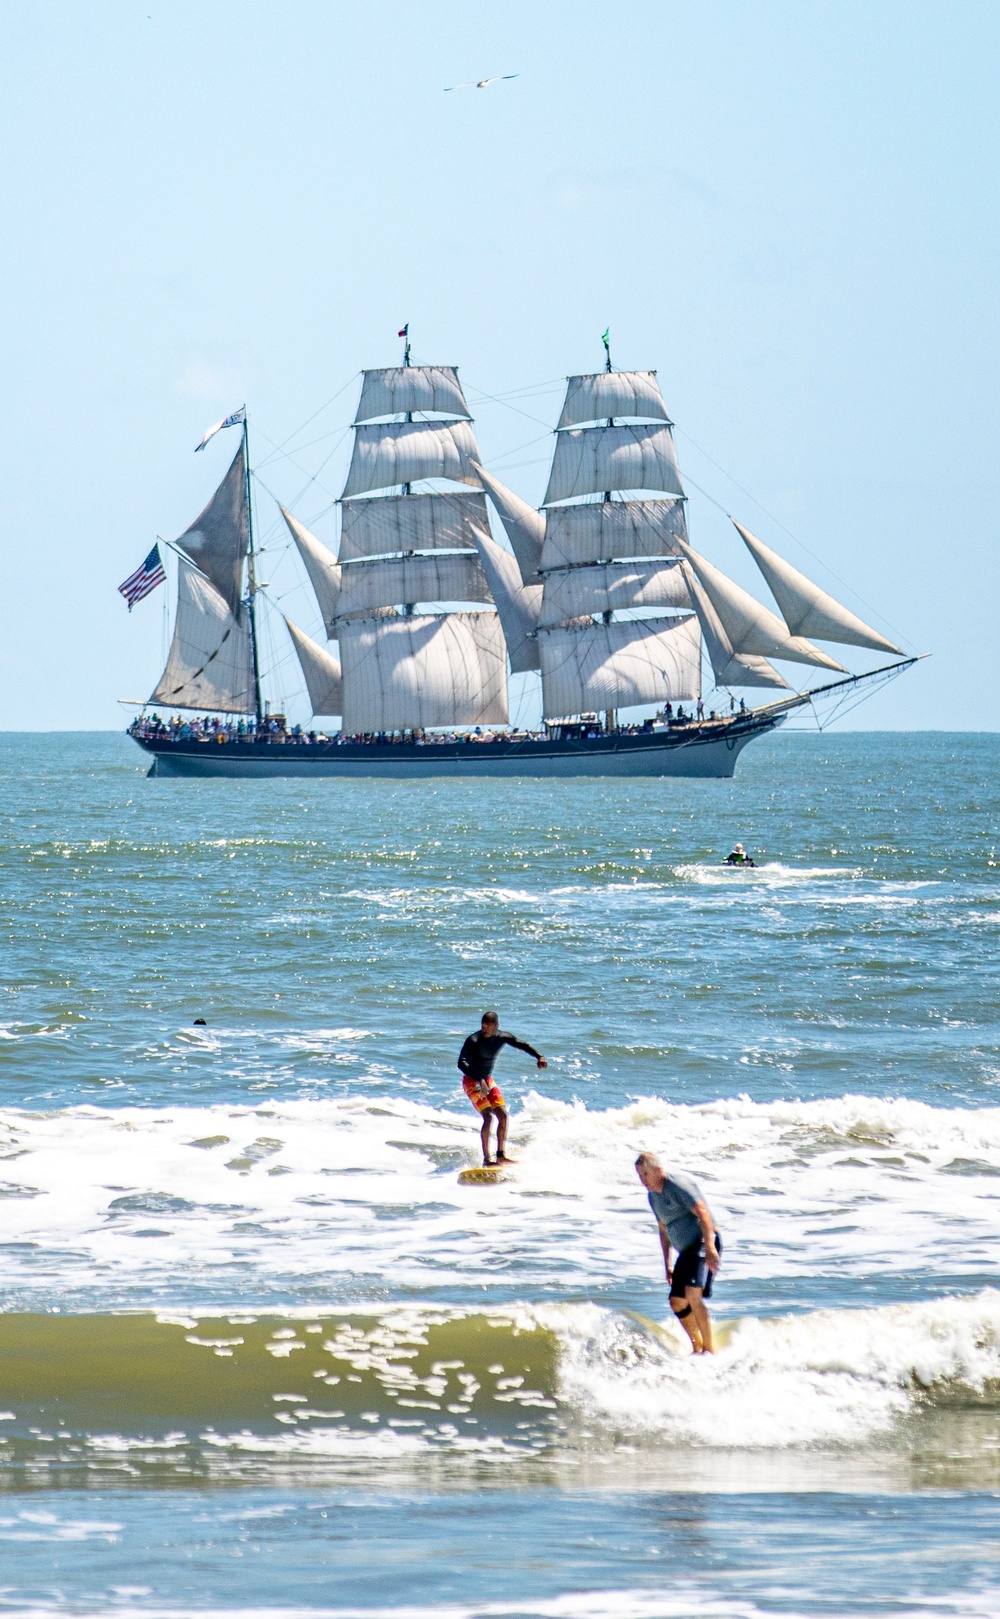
673 1206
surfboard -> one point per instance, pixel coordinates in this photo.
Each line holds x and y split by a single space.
653 1330
486 1176
721 1331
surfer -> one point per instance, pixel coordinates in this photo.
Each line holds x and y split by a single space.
475 1060
684 1223
739 857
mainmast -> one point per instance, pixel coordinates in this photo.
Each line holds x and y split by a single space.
603 560
605 556
252 581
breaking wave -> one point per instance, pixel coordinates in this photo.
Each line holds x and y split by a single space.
405 1383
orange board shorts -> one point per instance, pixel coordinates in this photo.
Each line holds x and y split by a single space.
480 1102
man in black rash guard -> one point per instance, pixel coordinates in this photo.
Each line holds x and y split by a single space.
475 1061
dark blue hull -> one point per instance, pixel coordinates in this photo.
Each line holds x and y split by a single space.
709 750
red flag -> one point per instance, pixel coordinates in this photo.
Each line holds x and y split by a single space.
405 332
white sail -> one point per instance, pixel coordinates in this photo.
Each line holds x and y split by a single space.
411 387
389 453
381 524
611 587
387 582
320 670
210 664
612 393
518 604
217 540
600 530
729 668
321 566
590 459
619 665
423 671
806 609
524 526
750 627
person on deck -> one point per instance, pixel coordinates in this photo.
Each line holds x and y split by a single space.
739 857
475 1061
685 1223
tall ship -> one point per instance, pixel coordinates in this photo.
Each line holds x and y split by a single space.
598 593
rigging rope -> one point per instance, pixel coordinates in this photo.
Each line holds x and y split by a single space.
777 520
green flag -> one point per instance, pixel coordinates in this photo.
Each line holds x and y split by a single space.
605 335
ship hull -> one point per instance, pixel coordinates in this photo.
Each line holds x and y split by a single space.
710 751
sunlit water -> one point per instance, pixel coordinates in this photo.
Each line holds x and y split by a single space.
262 1352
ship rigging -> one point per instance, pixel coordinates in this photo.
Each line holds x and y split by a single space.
598 591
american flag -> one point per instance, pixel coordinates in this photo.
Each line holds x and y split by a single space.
145 579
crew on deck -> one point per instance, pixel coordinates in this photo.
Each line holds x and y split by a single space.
274 729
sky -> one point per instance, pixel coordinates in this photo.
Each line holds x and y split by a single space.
789 211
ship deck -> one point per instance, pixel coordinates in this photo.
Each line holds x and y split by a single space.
708 749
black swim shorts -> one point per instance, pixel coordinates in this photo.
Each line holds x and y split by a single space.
691 1270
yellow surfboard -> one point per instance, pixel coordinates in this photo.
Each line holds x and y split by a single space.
721 1332
486 1176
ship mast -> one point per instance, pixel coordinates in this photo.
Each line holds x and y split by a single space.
407 488
404 667
610 716
252 583
605 557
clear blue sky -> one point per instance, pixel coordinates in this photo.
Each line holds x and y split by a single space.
789 210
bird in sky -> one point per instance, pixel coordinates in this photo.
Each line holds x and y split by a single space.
480 84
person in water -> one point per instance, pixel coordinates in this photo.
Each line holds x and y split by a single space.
739 857
475 1061
685 1223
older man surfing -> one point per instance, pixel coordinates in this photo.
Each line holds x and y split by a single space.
684 1223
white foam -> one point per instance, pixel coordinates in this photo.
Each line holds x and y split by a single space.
45 1525
367 1187
679 1601
826 1377
769 873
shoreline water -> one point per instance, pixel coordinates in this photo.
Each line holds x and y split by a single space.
816 1041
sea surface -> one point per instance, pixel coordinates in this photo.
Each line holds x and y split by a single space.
260 1353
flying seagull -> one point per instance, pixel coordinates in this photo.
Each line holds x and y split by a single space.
480 84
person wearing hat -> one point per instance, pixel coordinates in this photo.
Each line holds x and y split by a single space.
739 857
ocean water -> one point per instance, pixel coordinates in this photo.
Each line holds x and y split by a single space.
261 1353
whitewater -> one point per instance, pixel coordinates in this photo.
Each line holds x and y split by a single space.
260 1352
345 1198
